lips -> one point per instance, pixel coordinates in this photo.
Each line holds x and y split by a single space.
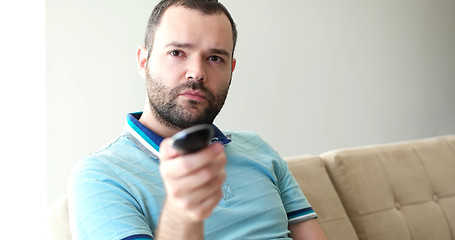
193 95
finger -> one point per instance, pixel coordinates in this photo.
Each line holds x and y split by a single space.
205 208
167 151
187 164
181 187
211 188
203 175
203 200
198 185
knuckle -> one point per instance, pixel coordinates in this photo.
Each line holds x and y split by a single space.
206 174
174 192
186 165
164 173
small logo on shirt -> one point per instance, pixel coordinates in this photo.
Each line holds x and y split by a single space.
228 193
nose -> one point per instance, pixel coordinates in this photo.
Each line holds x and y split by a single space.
196 70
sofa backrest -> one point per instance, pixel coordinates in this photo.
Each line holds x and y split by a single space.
398 191
311 175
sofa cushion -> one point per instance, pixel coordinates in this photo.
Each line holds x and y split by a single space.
314 181
58 220
398 191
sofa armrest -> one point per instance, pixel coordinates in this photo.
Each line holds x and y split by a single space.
310 173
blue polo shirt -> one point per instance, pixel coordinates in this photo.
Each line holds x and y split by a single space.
118 193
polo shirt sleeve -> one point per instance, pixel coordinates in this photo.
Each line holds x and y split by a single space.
101 205
297 206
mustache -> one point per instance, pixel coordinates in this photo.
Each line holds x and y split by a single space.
193 85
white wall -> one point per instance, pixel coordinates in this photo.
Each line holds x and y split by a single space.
311 76
22 119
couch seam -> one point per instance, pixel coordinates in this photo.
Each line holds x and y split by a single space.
448 145
425 169
381 160
433 189
442 209
333 157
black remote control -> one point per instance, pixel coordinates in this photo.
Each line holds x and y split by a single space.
193 139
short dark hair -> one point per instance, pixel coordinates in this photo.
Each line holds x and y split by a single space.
205 6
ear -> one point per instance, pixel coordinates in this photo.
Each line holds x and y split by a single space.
234 61
141 58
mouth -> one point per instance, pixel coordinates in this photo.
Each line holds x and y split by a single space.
193 95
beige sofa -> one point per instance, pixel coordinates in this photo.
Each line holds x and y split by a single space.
392 191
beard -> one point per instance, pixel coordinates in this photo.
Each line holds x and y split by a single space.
166 108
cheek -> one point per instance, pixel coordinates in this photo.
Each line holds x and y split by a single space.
169 77
168 72
219 79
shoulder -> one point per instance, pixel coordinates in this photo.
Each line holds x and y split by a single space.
103 195
247 146
249 149
117 158
249 141
242 137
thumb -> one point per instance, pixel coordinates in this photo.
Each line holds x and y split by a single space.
167 152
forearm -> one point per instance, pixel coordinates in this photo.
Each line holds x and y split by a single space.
172 226
308 229
193 189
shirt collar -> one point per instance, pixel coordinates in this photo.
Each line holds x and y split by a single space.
149 141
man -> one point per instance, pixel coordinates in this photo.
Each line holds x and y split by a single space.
141 188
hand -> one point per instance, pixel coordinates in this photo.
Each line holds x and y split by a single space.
193 181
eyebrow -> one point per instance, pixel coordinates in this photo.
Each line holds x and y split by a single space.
190 45
219 51
179 45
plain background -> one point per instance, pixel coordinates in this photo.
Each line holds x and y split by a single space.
22 119
311 76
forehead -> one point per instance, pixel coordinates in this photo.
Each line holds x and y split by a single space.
186 25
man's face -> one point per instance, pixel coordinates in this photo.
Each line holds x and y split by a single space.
190 67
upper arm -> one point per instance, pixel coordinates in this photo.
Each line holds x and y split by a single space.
308 229
101 207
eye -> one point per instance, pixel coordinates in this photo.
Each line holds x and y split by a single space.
216 59
176 53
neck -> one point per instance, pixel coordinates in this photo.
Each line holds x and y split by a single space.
149 119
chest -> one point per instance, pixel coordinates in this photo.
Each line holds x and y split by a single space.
251 203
